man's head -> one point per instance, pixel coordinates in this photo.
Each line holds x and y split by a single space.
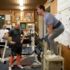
40 9
17 26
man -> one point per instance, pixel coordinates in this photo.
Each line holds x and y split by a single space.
53 27
16 46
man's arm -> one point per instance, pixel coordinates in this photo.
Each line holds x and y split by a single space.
6 35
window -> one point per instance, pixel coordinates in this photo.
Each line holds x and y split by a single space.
23 25
2 20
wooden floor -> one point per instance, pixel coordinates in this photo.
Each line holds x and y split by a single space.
26 63
5 67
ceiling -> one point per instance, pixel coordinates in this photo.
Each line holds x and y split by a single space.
14 4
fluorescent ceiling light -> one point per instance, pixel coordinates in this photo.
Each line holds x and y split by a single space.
21 2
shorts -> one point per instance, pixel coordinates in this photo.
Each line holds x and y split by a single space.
57 25
16 49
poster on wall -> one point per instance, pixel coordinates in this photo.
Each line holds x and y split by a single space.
28 17
7 17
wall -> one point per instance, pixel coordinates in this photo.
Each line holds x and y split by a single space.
62 5
63 9
66 55
53 6
18 15
8 12
40 25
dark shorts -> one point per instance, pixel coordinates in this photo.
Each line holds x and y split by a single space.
16 49
57 25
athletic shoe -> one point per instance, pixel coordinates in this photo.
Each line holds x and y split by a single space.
10 68
20 66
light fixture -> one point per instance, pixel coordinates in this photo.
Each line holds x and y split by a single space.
49 1
21 2
21 8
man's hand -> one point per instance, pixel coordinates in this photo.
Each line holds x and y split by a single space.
12 42
50 29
